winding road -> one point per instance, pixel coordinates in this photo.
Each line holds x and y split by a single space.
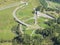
15 17
20 22
20 7
11 5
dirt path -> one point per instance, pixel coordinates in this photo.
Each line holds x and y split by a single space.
10 5
15 17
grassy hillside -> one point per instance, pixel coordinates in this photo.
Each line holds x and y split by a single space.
6 23
5 43
53 5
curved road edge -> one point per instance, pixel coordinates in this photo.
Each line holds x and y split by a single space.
15 17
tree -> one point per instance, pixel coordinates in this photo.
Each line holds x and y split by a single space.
58 40
58 20
37 39
58 1
17 40
45 32
43 4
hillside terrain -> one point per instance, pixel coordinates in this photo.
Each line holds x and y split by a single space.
43 29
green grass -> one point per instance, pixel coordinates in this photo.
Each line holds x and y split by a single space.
6 19
41 23
31 22
6 35
27 12
28 32
6 24
6 43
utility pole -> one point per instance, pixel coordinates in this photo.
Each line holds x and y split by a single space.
35 16
21 29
